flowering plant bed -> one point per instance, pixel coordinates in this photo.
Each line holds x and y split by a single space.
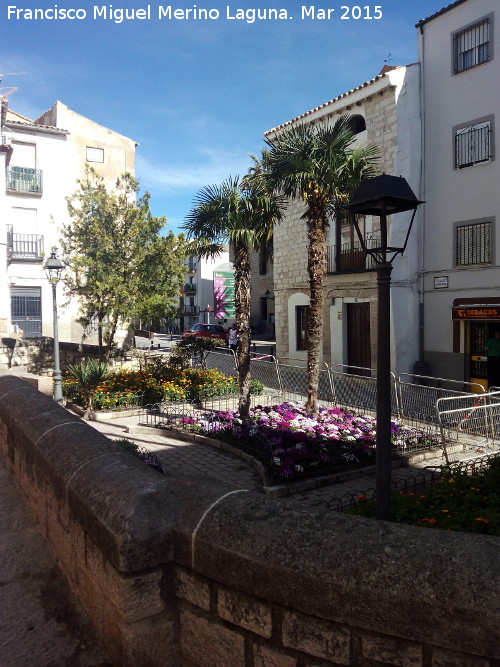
294 445
131 388
457 501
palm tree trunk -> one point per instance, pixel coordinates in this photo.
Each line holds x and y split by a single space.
316 266
242 304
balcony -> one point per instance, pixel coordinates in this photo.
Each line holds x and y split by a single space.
190 310
189 289
351 258
24 247
24 180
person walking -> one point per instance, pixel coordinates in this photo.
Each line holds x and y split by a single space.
492 349
233 338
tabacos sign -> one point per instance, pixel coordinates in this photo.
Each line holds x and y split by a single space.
475 313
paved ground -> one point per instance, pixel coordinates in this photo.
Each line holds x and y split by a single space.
41 623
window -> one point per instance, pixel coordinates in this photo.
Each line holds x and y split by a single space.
357 124
473 144
474 243
301 318
26 311
471 46
95 154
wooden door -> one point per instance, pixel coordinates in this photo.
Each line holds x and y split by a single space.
358 337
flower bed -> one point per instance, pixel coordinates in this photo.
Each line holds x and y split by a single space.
129 388
457 501
294 445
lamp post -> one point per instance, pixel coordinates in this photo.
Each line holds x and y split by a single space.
53 268
382 196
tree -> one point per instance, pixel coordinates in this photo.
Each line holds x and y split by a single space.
321 167
117 263
241 214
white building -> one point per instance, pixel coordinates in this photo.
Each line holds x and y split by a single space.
208 291
459 252
40 162
386 111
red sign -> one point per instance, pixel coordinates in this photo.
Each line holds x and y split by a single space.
475 313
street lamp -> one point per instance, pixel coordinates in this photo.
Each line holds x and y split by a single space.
382 196
53 268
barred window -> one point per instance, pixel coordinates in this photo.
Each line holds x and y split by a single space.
473 145
471 46
474 244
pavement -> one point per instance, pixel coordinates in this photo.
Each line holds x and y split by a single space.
41 623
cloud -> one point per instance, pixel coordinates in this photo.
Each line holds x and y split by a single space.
208 167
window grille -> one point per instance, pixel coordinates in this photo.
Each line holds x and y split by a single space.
471 46
472 145
474 244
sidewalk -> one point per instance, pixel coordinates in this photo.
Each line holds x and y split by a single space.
41 622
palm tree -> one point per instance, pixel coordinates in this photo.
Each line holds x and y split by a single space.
321 167
239 213
88 374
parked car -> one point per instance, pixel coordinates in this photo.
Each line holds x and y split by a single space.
206 331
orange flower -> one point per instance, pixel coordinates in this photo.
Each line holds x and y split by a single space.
478 518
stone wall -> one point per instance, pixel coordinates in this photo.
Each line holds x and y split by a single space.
36 355
188 572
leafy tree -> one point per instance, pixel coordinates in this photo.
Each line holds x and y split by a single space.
118 264
321 167
192 346
242 214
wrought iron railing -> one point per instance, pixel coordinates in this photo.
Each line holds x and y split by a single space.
24 179
352 257
24 246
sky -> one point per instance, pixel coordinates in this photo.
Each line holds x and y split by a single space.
197 94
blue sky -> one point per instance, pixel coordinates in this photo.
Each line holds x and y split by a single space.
197 94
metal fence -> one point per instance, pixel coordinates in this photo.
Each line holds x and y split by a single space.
412 485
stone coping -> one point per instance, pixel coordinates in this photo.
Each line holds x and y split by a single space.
400 580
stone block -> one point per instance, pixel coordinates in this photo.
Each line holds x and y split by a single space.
191 588
391 651
264 656
316 637
208 643
444 658
245 611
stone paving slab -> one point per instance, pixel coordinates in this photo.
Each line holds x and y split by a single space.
183 458
41 622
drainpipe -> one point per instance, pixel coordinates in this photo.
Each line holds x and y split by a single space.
421 367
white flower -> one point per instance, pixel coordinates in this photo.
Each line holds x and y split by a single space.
299 468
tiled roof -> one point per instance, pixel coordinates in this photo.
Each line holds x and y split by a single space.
15 118
322 106
441 11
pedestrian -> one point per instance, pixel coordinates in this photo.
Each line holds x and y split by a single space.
492 349
233 338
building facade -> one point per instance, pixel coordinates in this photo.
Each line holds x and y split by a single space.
40 162
386 111
461 98
208 292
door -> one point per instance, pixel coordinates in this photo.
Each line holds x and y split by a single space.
358 338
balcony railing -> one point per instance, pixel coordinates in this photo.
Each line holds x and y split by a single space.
24 247
191 310
351 258
24 179
189 289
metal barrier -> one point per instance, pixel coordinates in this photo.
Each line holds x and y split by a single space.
359 390
474 419
222 359
264 368
418 398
